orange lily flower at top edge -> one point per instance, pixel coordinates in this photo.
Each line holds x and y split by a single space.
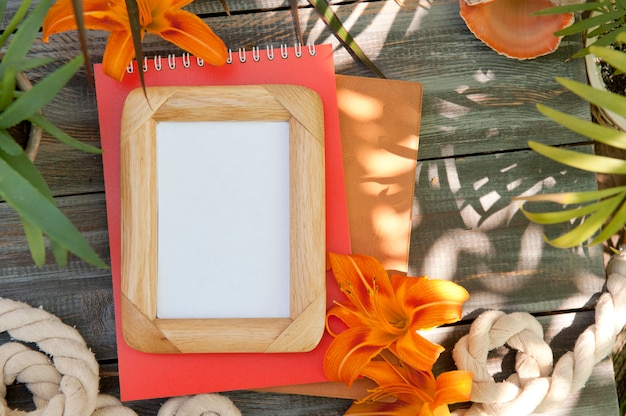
383 313
161 17
418 393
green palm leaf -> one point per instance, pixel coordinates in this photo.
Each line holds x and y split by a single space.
568 198
617 223
591 163
59 134
37 97
605 99
27 33
570 8
586 128
36 244
8 83
615 58
15 156
15 21
40 212
585 230
31 63
605 208
557 217
589 23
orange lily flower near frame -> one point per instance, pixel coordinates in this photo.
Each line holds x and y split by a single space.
418 393
385 313
161 17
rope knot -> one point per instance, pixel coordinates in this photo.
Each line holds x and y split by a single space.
537 387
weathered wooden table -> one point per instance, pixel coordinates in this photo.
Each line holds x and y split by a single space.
478 114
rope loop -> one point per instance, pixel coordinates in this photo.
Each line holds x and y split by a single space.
63 374
537 387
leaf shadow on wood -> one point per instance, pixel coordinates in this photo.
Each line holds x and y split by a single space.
467 229
366 21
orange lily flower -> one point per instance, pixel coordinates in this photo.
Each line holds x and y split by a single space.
161 17
386 313
418 393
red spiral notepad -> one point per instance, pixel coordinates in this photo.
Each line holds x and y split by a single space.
144 376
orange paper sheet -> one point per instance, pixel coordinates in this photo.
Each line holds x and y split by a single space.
380 121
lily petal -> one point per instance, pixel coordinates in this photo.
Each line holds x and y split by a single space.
117 54
379 371
416 391
400 381
422 290
345 312
359 277
98 15
189 32
430 303
351 351
388 313
416 351
453 387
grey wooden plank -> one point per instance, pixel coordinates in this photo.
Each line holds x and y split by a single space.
87 212
201 7
68 171
80 294
466 228
474 100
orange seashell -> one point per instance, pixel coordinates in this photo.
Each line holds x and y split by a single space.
508 27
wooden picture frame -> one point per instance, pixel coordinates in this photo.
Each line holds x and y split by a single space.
302 109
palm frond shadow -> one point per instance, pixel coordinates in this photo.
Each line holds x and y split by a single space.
467 229
359 18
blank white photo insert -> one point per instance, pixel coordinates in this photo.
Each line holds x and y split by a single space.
223 219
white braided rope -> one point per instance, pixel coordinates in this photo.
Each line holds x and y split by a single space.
63 375
201 404
536 387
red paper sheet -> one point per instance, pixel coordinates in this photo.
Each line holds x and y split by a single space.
144 376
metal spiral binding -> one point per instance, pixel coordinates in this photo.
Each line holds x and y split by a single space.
240 55
171 60
186 60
